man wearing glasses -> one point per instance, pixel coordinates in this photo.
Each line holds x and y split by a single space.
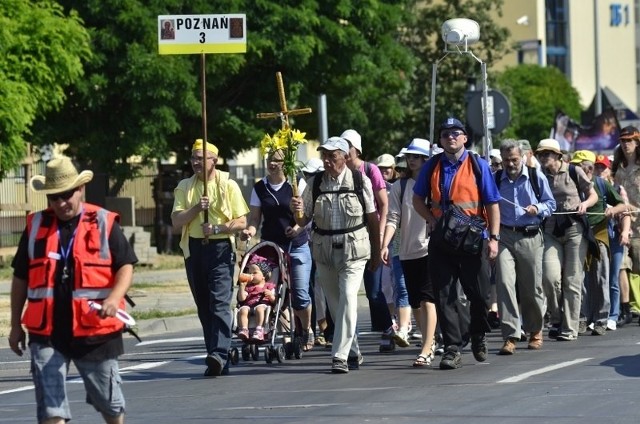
208 247
71 253
457 178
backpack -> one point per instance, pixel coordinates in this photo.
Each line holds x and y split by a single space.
533 180
358 190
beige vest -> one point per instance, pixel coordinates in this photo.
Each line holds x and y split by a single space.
355 243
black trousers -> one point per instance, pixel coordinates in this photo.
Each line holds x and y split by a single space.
446 271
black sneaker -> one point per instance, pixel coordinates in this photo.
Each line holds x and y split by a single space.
339 366
479 347
554 331
354 362
451 359
214 366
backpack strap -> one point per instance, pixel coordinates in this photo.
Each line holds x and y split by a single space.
403 187
574 176
603 191
535 183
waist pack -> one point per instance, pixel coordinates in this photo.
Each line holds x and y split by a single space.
458 233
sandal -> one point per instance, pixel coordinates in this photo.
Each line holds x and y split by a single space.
422 361
307 341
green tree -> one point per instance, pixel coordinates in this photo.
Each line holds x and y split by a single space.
536 94
136 102
41 52
456 72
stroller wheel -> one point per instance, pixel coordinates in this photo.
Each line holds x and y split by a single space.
280 354
297 348
288 350
246 352
255 353
234 356
268 354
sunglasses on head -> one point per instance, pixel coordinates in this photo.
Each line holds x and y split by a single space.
65 195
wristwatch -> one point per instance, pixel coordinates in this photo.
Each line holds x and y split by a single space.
216 230
495 237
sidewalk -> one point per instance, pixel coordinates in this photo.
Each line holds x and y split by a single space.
152 291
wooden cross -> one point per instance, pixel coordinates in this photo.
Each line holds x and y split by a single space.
284 112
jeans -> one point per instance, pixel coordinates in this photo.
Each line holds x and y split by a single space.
300 275
617 254
380 316
210 275
402 296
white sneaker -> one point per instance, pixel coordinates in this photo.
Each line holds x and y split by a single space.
401 338
612 325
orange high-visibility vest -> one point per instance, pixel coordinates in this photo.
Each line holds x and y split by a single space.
464 191
93 277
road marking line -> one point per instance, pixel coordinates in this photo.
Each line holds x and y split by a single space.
19 389
161 341
517 378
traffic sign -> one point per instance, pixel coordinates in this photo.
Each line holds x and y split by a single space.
498 112
195 34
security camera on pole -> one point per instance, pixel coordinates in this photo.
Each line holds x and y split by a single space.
458 34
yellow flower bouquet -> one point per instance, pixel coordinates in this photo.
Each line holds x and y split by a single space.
287 140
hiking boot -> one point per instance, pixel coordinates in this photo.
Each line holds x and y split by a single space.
479 347
354 362
599 329
509 347
387 344
582 327
535 340
451 359
339 366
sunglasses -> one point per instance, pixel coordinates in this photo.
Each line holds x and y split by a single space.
65 195
454 134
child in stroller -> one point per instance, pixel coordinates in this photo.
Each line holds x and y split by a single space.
255 294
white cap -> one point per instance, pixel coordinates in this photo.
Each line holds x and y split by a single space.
435 150
313 165
354 138
402 152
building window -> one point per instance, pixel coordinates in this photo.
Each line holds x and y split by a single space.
556 11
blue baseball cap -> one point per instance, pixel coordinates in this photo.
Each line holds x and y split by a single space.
452 122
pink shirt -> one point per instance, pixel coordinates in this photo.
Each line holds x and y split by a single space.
255 294
377 181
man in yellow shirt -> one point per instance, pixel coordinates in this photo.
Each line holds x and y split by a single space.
208 247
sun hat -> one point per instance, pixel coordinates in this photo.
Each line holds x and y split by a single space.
419 146
452 123
402 152
495 153
549 144
583 155
603 160
385 161
335 143
436 150
60 175
629 132
197 146
313 165
354 138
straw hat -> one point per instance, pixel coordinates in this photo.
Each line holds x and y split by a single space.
59 176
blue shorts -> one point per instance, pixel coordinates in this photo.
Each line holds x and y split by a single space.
49 369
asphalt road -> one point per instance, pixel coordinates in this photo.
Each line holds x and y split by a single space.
592 380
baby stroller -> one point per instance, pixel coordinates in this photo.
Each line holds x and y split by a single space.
279 341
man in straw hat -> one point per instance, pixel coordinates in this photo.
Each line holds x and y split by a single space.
71 254
208 246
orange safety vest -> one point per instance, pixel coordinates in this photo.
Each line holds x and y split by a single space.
93 273
464 191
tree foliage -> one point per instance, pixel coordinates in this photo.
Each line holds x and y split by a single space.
536 94
41 52
136 102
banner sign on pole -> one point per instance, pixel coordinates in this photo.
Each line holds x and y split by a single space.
196 34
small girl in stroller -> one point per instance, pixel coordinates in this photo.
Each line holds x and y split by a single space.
254 295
